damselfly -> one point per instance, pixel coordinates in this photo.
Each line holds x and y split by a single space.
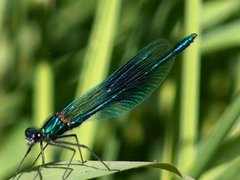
126 88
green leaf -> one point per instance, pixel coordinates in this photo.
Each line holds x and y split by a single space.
90 169
211 144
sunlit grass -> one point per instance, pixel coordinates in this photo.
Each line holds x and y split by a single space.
53 51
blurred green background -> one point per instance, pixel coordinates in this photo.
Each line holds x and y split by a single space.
54 50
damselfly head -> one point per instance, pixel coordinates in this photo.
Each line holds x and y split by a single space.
32 136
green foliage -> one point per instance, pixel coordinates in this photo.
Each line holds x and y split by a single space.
51 51
91 169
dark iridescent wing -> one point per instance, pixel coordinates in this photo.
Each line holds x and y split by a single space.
125 88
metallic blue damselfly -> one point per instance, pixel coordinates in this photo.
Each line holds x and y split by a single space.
126 88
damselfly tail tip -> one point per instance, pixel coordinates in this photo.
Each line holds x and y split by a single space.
194 35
